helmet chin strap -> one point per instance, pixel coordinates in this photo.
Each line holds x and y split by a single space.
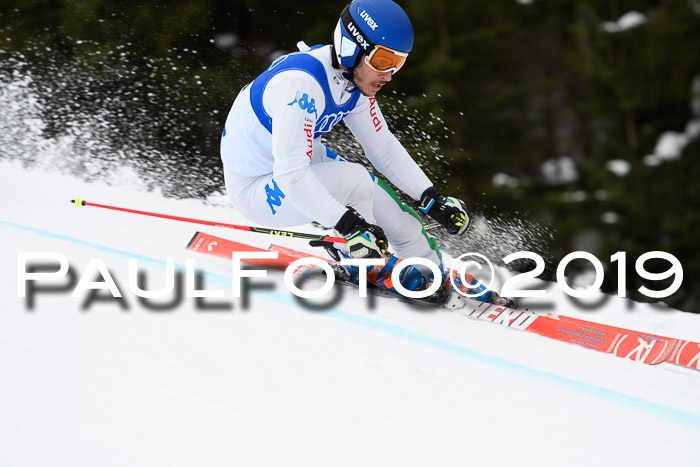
347 74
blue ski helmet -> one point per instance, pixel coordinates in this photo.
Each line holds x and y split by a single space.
378 30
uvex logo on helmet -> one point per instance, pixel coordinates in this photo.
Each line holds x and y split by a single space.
361 41
366 24
368 19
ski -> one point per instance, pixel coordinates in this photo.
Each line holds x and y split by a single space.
223 248
629 344
686 353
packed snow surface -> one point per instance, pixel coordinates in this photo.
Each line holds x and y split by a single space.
265 381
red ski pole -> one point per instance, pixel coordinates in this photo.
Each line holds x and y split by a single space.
282 233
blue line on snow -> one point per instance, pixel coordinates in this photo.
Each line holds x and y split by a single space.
609 395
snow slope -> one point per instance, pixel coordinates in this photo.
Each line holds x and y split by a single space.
368 382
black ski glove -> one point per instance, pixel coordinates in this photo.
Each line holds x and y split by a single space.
451 213
365 240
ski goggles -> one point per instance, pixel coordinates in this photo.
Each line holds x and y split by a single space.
383 59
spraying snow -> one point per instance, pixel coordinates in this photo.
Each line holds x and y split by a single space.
262 380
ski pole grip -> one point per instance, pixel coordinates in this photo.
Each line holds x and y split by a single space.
78 202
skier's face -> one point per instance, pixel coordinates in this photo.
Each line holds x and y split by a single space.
368 81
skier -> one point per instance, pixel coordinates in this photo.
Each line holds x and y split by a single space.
278 173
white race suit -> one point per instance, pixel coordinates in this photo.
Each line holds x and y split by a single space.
278 173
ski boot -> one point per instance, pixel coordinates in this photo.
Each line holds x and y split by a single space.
412 279
380 276
469 285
